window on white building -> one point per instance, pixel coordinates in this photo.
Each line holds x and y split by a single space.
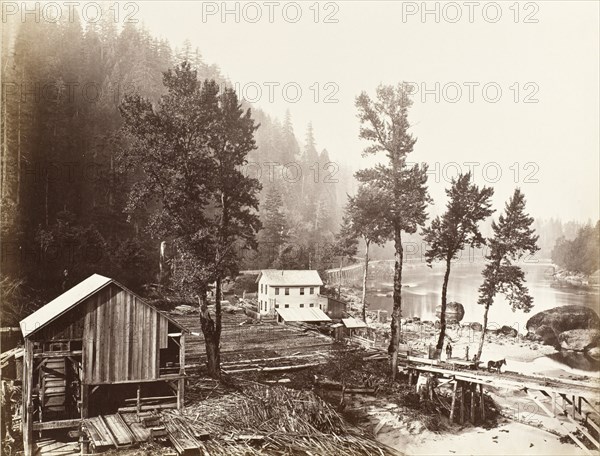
302 291
276 290
301 305
312 290
287 306
287 291
311 304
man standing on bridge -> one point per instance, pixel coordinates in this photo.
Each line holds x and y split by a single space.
448 351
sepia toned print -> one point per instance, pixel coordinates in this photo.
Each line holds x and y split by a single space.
300 228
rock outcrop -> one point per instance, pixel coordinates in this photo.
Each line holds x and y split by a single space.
579 339
564 318
455 312
575 322
545 335
594 353
506 331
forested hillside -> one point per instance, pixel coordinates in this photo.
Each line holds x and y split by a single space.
64 193
580 254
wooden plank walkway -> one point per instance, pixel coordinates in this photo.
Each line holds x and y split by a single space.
117 430
50 447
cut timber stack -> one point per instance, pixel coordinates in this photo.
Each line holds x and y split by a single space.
181 438
118 430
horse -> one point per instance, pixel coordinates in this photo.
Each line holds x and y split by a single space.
496 365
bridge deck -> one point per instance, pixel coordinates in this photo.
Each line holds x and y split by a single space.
515 380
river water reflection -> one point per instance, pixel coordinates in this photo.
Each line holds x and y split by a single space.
421 293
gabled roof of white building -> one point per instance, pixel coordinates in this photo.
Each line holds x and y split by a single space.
290 277
309 314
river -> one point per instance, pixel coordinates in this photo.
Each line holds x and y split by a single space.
422 285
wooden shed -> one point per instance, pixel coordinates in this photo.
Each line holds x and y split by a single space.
93 350
336 308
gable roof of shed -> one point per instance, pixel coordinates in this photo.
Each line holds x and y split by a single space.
353 323
70 299
290 277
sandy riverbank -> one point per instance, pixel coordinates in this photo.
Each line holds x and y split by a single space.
522 355
522 432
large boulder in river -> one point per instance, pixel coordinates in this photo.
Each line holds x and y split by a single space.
455 312
564 318
545 335
579 339
594 353
506 331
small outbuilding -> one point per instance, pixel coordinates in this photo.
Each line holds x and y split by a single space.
96 348
353 325
335 308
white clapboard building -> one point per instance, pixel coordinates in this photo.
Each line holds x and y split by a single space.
289 289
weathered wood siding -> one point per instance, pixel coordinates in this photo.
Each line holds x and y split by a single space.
122 338
67 327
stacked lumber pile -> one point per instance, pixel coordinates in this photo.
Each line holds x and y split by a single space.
267 420
8 355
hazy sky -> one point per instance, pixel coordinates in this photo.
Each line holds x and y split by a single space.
540 131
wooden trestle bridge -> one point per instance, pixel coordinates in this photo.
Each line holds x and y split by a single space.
571 405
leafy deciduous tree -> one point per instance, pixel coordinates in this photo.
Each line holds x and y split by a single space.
513 238
457 228
344 246
191 150
384 123
366 211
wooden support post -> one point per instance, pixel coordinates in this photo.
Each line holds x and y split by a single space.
482 402
452 407
549 413
574 407
85 399
596 411
138 399
27 412
472 392
579 406
462 402
181 381
554 404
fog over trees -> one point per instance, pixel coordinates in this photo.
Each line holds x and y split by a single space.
64 194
